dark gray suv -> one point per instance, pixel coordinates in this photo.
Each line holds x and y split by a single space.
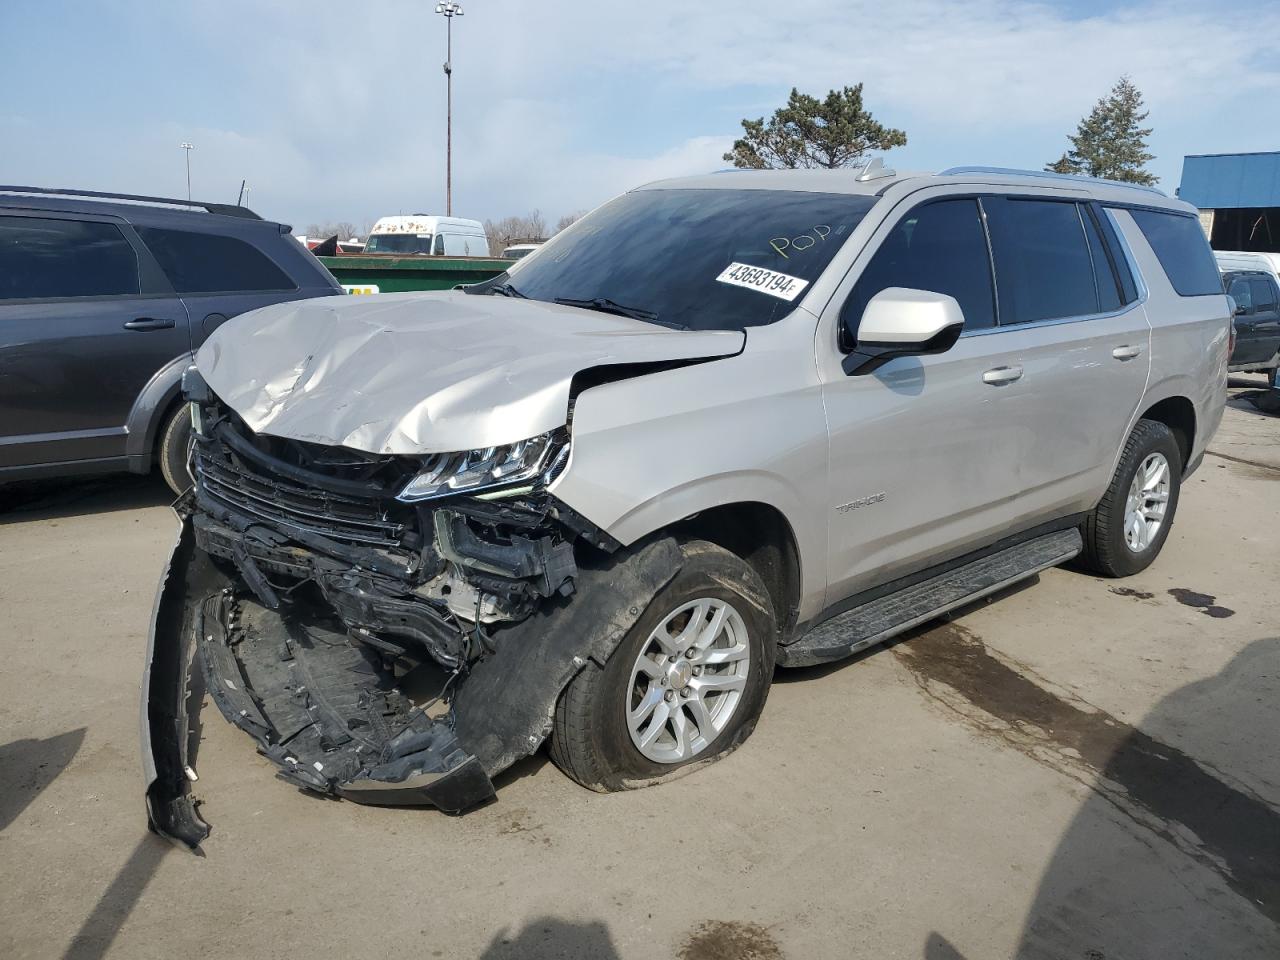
103 300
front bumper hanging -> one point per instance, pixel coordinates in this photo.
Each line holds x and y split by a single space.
325 710
329 713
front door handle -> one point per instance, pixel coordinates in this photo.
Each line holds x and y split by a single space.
150 323
1126 352
999 375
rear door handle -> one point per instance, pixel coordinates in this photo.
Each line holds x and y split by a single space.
150 323
1126 352
999 375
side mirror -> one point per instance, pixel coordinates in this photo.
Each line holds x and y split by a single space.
1233 306
899 322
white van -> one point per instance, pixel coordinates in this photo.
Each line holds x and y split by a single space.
422 235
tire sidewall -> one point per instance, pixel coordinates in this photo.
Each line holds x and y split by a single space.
1126 561
174 443
706 573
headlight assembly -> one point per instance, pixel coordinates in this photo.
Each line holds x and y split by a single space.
489 468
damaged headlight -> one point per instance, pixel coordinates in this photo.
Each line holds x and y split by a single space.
471 471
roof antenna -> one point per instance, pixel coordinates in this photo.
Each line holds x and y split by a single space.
240 200
874 169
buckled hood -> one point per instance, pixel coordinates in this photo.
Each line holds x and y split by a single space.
426 372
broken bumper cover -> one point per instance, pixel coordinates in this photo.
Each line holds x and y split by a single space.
330 715
324 710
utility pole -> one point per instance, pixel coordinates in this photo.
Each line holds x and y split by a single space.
448 11
188 147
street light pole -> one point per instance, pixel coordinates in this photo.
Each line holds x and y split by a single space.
188 147
449 11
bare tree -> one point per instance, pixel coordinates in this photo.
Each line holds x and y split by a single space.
343 230
569 219
508 230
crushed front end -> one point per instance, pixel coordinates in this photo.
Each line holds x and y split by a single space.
385 631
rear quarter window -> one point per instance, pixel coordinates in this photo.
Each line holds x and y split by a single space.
1180 246
210 263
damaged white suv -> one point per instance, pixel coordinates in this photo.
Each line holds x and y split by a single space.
721 423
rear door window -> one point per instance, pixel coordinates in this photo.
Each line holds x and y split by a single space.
209 263
1180 246
48 258
1044 270
940 247
1264 295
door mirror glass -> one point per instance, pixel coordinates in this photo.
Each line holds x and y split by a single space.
899 322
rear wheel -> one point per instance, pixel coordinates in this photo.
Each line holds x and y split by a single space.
686 684
1129 526
174 448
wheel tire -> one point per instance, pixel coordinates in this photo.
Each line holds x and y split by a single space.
1106 550
591 740
175 443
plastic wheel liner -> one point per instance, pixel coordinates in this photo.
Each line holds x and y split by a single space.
324 701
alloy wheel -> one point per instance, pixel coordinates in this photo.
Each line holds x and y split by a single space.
688 680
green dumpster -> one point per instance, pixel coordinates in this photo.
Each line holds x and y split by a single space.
387 273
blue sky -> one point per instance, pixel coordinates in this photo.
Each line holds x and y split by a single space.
335 111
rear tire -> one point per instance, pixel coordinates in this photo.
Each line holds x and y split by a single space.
1129 526
601 722
173 449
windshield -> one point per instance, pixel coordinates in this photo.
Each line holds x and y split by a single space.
399 243
701 259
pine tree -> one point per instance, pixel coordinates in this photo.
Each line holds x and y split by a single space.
1110 142
808 132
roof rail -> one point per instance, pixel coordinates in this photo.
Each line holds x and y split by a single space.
1048 174
223 209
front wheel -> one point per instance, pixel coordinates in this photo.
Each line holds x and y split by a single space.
685 685
174 448
1129 526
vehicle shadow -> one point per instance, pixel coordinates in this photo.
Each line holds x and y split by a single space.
61 497
545 938
28 766
1171 854
94 938
1097 899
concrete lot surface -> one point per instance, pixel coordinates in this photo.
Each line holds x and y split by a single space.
1082 769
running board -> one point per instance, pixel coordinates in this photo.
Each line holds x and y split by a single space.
878 620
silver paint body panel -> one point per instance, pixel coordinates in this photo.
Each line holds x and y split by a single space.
960 462
414 373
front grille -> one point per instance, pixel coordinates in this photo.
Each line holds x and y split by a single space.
282 501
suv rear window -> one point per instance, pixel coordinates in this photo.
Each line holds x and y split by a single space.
209 263
42 258
1183 251
1044 270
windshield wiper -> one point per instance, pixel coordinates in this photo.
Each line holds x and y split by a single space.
506 290
605 305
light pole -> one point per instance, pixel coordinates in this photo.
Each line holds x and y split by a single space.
188 147
449 11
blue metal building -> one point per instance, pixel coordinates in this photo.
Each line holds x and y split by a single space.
1238 195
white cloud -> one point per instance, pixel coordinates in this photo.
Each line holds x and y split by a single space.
338 112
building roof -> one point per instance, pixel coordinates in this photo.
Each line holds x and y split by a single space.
1214 181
